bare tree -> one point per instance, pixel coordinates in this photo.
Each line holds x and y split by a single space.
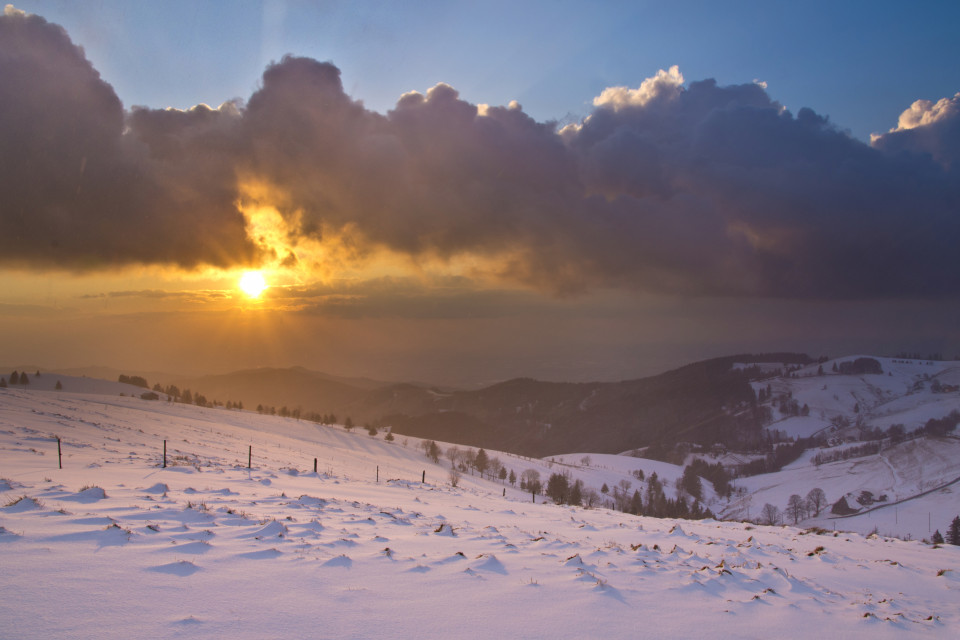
796 508
590 497
494 467
455 476
769 514
531 480
621 494
431 450
453 454
468 459
817 500
530 475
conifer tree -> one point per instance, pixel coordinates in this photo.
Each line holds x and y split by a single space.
636 503
953 533
481 461
557 487
575 496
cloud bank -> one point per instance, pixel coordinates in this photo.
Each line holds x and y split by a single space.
671 187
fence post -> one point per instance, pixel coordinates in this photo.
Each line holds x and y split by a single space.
423 478
314 465
59 453
249 456
378 473
164 454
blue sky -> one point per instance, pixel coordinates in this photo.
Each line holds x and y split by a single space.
860 63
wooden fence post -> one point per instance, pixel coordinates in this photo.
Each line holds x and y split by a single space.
314 465
164 454
249 456
378 473
59 453
423 478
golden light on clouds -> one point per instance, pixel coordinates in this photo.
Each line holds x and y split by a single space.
301 252
253 283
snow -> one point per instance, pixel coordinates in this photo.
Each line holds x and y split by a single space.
47 381
884 399
899 472
207 548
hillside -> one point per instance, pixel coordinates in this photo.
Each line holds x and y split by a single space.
208 548
701 402
904 393
910 478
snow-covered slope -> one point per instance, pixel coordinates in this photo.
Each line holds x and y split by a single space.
915 483
920 472
902 394
207 548
79 384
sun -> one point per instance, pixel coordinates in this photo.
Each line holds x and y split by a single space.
252 283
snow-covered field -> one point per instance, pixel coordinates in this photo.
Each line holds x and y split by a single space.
901 472
901 394
114 545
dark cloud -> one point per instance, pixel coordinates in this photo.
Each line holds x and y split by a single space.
696 188
78 192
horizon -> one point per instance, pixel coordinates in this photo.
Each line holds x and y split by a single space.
168 377
581 193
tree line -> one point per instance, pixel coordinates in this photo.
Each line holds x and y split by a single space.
797 508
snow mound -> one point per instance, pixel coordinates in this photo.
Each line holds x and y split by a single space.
310 501
273 529
193 548
182 568
490 563
159 489
265 554
87 495
21 504
7 536
339 561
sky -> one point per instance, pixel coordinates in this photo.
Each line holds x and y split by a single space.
467 192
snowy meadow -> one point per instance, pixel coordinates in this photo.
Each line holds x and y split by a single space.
116 546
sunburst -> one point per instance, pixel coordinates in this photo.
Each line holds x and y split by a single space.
253 283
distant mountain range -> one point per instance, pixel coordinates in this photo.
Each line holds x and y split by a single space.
707 402
703 402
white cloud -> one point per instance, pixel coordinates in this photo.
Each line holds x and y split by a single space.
924 112
665 85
